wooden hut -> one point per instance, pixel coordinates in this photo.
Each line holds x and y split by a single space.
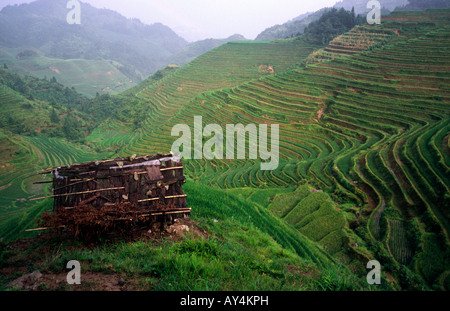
150 187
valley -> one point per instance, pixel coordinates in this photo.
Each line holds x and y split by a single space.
363 173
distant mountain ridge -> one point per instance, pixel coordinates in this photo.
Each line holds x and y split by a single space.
106 53
297 25
102 34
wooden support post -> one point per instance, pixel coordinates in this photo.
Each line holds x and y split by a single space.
168 197
44 228
75 193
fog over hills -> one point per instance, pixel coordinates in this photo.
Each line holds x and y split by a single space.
298 24
103 34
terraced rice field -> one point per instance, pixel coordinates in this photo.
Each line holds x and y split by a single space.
370 125
356 145
110 135
367 121
313 214
87 76
12 105
23 158
357 40
225 66
398 242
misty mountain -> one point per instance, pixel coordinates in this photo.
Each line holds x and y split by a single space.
195 49
418 5
361 5
103 34
291 28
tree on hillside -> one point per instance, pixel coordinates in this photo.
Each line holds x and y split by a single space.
332 24
54 116
72 127
19 85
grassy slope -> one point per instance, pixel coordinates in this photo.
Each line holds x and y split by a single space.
314 215
34 115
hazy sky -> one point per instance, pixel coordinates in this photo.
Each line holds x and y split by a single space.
201 19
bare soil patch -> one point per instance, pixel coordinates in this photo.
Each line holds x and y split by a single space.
55 69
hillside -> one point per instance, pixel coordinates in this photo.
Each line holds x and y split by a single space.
102 34
297 25
361 5
233 244
225 66
22 157
106 54
363 170
291 28
36 106
42 124
364 153
419 5
86 76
